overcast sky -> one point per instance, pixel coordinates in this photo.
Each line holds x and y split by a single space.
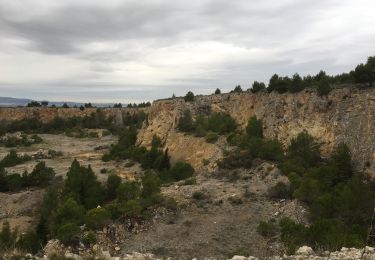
121 51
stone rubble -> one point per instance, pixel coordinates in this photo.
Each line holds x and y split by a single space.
54 247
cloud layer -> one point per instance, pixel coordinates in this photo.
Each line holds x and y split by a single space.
142 50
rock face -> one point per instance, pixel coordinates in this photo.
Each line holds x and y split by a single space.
47 114
345 115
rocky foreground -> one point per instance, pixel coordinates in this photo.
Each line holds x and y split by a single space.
54 250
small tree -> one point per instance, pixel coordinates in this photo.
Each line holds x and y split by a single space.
65 105
129 190
254 127
258 86
189 97
181 171
237 89
44 103
185 123
113 182
323 88
34 104
97 218
41 175
217 91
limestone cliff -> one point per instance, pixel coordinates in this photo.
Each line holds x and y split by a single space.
47 114
345 115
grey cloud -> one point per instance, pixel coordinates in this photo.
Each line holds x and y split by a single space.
288 36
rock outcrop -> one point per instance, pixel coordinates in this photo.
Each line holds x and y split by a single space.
345 115
47 114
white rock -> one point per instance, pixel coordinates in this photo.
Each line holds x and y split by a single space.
305 250
237 257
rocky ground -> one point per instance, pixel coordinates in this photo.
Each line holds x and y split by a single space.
20 208
220 222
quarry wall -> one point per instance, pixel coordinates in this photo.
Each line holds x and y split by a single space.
345 115
46 114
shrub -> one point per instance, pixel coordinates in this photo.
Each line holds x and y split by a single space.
267 229
324 88
217 91
41 175
14 182
129 164
293 235
185 123
82 183
12 159
280 191
7 237
305 148
189 97
129 190
237 89
221 123
236 159
29 242
3 180
258 86
89 238
97 218
69 211
67 231
190 181
211 137
150 187
199 195
113 182
131 208
181 171
254 128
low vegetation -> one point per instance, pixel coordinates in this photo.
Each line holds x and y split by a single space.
341 203
41 176
73 124
210 126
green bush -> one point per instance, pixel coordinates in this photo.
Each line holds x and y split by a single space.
29 242
324 88
211 137
97 218
293 235
82 183
185 123
181 171
113 182
41 175
131 208
12 159
236 159
280 191
7 237
199 195
267 229
254 128
129 190
67 231
189 97
258 86
89 238
304 148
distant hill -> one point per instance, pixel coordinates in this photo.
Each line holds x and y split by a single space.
14 102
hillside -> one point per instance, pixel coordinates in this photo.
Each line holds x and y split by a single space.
345 115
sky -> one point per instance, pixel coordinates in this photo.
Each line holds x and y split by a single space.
142 50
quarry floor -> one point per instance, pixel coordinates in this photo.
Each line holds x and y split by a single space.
221 224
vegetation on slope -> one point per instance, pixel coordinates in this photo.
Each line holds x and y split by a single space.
341 203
